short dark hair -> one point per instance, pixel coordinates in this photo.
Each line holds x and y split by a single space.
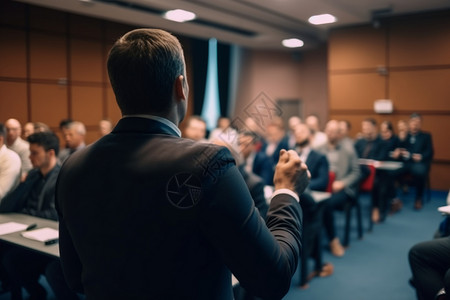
64 123
48 140
371 121
142 67
389 125
415 116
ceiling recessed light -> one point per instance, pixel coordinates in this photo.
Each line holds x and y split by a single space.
322 19
179 15
292 43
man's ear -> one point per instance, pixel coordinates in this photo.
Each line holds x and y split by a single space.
180 91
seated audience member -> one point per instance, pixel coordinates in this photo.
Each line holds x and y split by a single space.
74 134
345 186
345 139
430 266
312 212
275 139
318 138
195 129
28 129
186 239
417 156
255 161
36 197
104 127
10 166
402 131
383 191
292 123
223 130
368 145
63 125
41 127
18 145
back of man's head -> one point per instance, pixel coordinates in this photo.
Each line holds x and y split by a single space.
48 140
142 66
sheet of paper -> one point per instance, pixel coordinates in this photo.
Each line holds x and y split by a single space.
41 234
10 227
444 209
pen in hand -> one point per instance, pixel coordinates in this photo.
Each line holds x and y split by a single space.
31 226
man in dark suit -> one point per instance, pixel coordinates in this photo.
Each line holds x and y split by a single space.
369 145
418 154
254 161
275 139
36 197
318 167
145 214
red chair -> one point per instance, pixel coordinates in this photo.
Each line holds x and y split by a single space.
331 178
366 186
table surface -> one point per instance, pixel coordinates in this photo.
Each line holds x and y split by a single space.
17 239
382 165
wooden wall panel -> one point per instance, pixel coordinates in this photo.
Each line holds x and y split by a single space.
355 48
427 41
13 57
48 103
81 26
48 56
13 101
86 60
438 126
355 91
49 20
439 176
86 105
422 90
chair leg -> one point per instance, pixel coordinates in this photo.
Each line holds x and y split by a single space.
348 218
359 219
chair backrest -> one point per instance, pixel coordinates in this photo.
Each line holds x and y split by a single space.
331 178
367 184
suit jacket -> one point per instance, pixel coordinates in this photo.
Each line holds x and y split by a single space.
422 144
21 200
282 144
387 146
145 214
255 185
318 167
263 167
373 148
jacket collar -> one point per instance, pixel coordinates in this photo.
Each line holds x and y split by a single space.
143 125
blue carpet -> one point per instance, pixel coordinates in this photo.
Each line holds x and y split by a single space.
376 267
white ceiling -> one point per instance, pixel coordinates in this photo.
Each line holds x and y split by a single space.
258 24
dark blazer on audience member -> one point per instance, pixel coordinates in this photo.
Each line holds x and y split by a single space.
166 239
318 167
373 153
263 167
387 146
19 200
283 144
423 145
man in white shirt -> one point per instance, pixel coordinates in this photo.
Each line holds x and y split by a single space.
18 145
9 166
